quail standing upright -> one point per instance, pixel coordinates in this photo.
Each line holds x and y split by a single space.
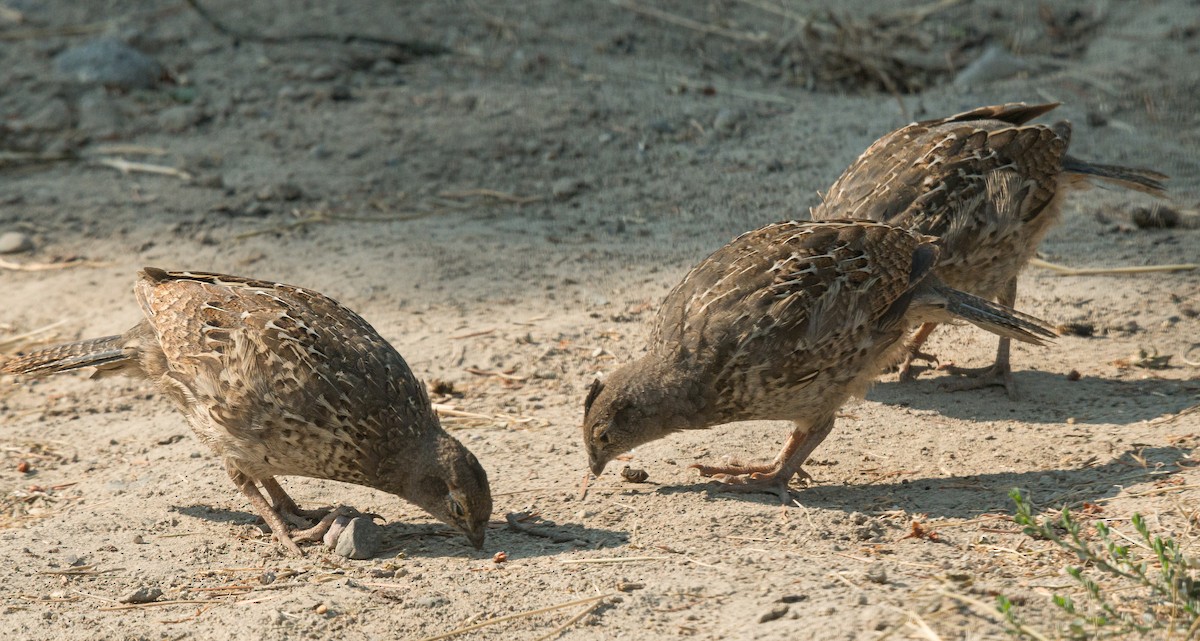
989 186
786 323
279 381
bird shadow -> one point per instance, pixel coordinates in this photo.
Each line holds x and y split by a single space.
1046 397
967 496
434 540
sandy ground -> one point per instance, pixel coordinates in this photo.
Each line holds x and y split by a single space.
624 149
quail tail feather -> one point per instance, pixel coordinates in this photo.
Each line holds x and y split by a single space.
63 358
996 318
1143 180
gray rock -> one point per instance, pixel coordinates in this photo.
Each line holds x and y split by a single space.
335 530
361 539
142 595
566 188
877 574
727 121
432 601
323 72
996 63
110 63
15 242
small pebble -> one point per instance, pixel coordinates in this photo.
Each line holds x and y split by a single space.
110 63
727 121
1157 217
361 539
565 188
15 242
1074 375
500 557
877 573
634 475
142 595
322 73
777 612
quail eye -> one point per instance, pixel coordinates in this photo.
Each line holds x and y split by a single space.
603 438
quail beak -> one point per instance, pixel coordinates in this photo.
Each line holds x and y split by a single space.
597 464
475 535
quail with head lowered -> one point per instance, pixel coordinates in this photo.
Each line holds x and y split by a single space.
784 323
988 186
283 381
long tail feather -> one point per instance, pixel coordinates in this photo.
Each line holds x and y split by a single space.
63 358
998 319
1143 180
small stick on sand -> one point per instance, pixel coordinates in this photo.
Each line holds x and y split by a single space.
615 559
134 606
508 377
491 193
40 267
570 622
1063 270
519 615
126 167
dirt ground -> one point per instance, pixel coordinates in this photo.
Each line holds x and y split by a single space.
509 213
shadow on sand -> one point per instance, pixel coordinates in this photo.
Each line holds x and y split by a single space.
971 495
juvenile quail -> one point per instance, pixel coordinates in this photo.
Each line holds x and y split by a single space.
280 381
988 186
784 323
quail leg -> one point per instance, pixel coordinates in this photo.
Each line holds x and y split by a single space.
259 502
775 476
999 372
913 353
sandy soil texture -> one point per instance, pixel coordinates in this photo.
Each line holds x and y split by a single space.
509 213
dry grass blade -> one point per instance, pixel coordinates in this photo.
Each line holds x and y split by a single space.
619 559
570 622
37 336
1063 270
127 167
519 615
41 267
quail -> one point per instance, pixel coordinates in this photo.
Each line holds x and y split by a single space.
989 186
784 323
283 381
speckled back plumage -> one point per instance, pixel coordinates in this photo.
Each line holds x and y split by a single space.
983 182
297 383
787 315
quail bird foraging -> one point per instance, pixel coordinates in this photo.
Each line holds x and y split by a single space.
988 186
279 381
786 323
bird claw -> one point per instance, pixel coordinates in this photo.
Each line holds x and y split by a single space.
317 532
753 478
909 372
